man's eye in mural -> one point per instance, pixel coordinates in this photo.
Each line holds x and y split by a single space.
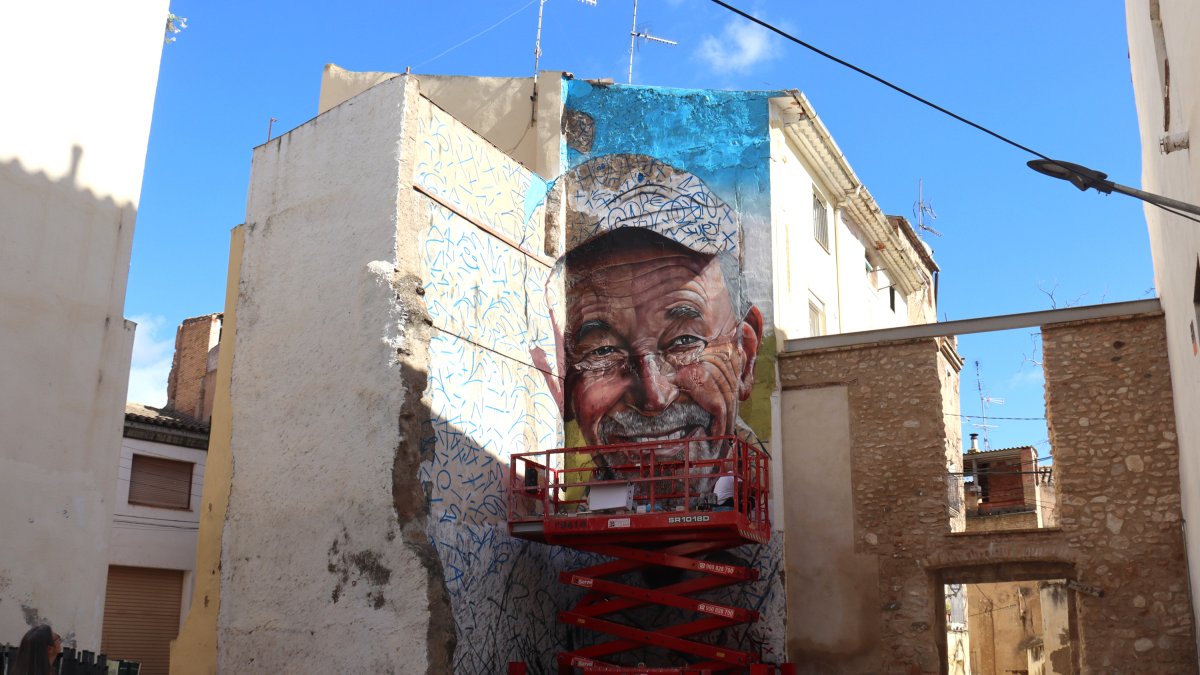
680 352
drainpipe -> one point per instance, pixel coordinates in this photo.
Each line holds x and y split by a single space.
837 260
839 210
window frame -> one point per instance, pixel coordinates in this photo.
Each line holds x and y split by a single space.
158 482
816 314
820 234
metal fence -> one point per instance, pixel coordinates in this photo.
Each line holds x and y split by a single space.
72 662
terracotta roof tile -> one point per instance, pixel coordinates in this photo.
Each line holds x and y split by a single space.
171 419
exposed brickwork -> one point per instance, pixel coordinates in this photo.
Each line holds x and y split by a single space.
1110 417
185 385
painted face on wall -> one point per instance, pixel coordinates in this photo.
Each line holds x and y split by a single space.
655 349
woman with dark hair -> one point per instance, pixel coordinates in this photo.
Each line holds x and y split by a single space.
37 652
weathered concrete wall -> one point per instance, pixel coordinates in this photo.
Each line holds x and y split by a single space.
391 186
324 539
498 108
1164 58
71 160
1111 422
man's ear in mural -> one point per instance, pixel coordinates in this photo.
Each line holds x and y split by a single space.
751 340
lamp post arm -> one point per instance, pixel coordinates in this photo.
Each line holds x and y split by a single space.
1085 179
1157 200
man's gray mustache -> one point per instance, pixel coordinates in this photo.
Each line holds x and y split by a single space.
629 424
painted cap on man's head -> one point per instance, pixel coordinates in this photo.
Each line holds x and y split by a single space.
613 192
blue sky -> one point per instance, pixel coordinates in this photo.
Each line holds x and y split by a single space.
1053 76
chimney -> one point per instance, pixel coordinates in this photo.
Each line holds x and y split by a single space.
974 443
194 340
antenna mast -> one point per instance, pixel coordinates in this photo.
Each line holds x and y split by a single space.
537 55
923 208
645 35
984 401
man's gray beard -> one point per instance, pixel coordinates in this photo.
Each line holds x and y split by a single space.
630 425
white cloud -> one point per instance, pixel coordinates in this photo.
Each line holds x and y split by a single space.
740 46
151 363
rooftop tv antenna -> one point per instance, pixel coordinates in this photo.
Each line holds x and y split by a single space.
634 34
984 401
537 56
922 209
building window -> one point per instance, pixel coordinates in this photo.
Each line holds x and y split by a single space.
820 221
816 318
160 482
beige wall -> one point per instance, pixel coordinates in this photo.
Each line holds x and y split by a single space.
72 152
833 597
497 108
1157 48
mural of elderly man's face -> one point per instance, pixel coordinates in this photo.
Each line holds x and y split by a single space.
655 349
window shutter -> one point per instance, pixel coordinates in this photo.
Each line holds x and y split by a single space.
141 616
165 483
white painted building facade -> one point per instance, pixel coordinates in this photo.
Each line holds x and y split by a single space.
841 264
1165 60
152 549
71 160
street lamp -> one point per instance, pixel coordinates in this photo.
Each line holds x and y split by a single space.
1084 178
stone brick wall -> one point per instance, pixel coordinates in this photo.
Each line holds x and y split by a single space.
1111 426
898 439
1112 430
1025 520
185 385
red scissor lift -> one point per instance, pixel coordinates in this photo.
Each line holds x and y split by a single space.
668 520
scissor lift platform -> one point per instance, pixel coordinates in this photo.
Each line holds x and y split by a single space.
670 519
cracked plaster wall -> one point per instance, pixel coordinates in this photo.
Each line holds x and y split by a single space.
325 563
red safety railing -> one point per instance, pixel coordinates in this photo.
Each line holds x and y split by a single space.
674 477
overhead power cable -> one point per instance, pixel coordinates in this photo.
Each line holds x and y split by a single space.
479 34
1071 170
992 417
880 80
